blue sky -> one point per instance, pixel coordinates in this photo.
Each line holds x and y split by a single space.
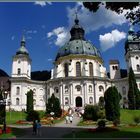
46 27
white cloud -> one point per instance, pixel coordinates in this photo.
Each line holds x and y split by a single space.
13 37
93 21
43 3
61 34
49 59
109 40
31 32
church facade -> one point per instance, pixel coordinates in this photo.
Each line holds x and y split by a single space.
78 77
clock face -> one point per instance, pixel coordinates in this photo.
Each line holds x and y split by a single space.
135 47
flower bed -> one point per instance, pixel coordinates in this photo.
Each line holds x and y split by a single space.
23 122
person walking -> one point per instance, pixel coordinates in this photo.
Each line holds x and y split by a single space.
38 127
34 127
70 118
67 119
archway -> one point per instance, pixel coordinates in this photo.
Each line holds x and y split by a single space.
78 101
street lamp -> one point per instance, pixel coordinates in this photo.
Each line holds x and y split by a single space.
3 108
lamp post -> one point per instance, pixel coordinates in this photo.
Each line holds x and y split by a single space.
3 107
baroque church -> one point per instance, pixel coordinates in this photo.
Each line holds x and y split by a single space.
78 77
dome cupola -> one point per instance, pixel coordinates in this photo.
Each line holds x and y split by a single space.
22 49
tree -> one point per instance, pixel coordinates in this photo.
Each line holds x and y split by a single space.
133 16
29 104
53 105
112 107
101 102
133 92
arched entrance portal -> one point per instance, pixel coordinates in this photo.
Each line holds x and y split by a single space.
78 101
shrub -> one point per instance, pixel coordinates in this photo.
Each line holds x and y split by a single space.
101 123
92 112
136 119
32 115
116 122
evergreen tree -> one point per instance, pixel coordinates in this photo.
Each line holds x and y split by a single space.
112 107
53 105
29 101
133 92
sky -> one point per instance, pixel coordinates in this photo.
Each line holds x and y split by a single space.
46 27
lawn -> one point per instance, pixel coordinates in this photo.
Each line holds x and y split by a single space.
15 132
122 132
13 116
127 115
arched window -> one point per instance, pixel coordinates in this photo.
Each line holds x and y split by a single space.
78 87
90 88
101 89
66 69
56 90
18 71
78 69
17 101
34 102
124 90
18 90
66 89
66 101
138 67
90 100
90 69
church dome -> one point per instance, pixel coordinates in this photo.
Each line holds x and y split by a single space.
77 43
78 47
22 49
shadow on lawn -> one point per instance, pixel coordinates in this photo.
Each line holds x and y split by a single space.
105 133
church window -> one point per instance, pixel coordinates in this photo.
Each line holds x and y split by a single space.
91 100
90 88
90 69
101 89
19 61
18 90
113 67
66 89
34 102
17 101
116 68
138 67
78 69
124 90
34 92
137 57
66 69
19 71
56 90
78 87
66 101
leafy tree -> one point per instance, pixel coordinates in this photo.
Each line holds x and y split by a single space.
133 92
53 105
133 16
29 104
112 107
32 115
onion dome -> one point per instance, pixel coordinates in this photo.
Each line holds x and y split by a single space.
22 49
77 44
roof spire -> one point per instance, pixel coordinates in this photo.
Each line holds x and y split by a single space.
76 18
23 39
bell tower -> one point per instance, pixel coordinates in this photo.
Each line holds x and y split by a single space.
132 51
21 66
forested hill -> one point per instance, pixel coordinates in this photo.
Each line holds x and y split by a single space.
41 75
3 73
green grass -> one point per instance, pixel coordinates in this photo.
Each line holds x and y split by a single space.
13 116
122 132
127 115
